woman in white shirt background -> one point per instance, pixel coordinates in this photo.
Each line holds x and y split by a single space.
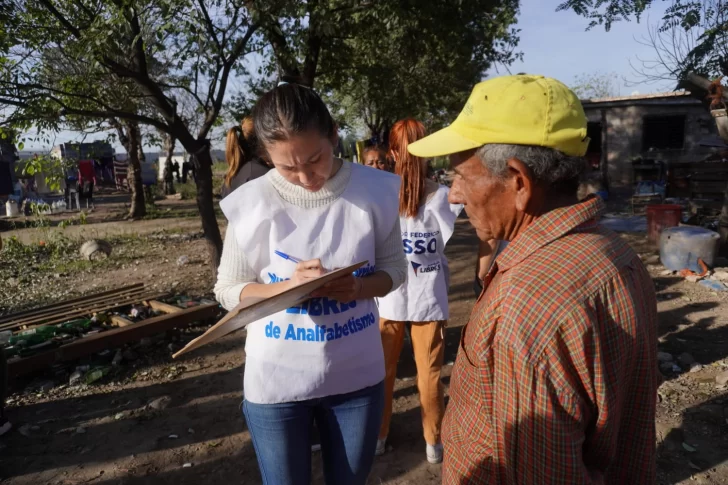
427 221
322 361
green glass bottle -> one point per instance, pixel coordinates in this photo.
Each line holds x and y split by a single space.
34 336
76 326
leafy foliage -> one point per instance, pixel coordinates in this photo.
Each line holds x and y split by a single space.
595 85
380 61
53 168
57 56
692 35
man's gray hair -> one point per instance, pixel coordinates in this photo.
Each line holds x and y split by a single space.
549 166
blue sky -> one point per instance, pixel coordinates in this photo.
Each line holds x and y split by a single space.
555 44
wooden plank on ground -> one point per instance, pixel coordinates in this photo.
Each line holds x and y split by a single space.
116 300
163 307
110 339
120 321
64 304
53 319
89 306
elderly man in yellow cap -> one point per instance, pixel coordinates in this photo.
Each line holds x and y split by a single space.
556 376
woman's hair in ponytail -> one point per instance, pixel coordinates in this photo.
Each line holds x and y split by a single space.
240 147
410 168
288 110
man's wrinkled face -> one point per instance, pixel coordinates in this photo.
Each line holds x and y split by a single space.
489 201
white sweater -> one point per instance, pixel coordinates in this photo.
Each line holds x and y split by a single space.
234 273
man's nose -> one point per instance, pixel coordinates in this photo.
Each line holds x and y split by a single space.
455 195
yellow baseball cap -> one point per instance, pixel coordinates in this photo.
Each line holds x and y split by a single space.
514 110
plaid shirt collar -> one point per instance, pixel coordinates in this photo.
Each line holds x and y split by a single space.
550 227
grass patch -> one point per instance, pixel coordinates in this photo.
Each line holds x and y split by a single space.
188 191
43 272
154 212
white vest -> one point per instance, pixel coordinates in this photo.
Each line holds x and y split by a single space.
423 297
325 347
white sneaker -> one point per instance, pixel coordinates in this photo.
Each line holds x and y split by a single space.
434 453
381 447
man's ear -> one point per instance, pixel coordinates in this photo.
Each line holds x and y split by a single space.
522 183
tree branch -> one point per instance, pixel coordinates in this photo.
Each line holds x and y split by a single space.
185 89
237 51
59 16
313 46
123 138
137 43
273 32
210 26
104 114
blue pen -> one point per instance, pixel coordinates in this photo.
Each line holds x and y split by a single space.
285 256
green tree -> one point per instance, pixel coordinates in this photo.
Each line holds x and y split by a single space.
380 61
199 43
117 93
692 35
595 85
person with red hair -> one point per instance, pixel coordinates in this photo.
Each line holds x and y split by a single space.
427 221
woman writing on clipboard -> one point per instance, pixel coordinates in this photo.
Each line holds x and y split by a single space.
321 362
427 221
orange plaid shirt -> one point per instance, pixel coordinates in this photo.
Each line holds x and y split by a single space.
556 377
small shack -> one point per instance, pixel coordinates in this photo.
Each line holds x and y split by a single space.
643 129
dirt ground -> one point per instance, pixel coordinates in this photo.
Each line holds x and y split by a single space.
163 421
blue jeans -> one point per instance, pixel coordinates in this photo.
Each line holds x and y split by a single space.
348 424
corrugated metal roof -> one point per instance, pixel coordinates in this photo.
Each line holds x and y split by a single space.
638 97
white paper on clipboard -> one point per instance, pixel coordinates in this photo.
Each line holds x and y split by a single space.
253 309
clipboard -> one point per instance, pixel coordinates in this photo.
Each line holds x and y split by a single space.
253 309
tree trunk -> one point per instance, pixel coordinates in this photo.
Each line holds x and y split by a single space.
169 143
202 161
380 131
133 148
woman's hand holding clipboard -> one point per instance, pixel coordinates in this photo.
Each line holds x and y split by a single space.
253 309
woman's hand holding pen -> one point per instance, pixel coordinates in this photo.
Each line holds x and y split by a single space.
345 289
307 270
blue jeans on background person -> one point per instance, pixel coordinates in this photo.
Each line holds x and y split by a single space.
348 425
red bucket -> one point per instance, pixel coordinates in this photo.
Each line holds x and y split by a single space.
661 217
